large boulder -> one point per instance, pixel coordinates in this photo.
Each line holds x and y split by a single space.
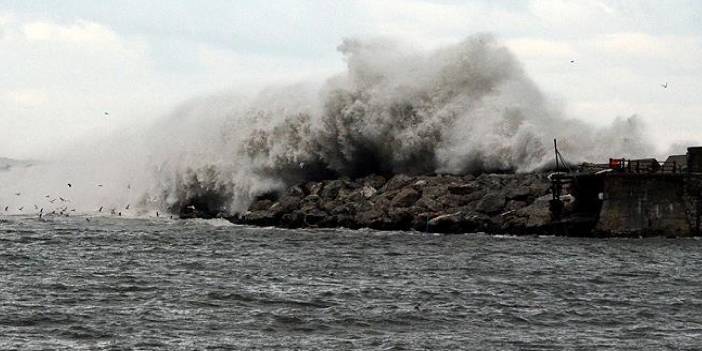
460 189
518 192
491 203
397 182
262 218
331 189
406 197
538 214
374 181
261 205
313 188
460 222
372 218
367 191
447 223
286 204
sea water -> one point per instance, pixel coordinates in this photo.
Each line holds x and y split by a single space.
71 283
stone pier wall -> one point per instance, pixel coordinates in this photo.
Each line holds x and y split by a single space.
651 204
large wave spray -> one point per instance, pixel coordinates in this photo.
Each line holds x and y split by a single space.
464 108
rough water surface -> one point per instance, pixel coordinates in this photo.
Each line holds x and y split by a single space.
202 285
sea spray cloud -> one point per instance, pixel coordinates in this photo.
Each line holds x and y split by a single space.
464 108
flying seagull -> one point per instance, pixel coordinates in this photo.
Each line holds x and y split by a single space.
665 85
106 113
69 185
100 209
18 194
572 61
126 208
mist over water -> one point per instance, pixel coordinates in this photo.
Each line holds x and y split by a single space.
463 108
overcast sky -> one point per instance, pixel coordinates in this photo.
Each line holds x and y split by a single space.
65 63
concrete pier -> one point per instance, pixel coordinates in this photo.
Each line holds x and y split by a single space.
644 204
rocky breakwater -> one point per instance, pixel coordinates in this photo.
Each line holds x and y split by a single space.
491 203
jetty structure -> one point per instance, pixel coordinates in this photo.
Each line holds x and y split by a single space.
629 197
623 197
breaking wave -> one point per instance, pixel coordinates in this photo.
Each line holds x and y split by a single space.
464 108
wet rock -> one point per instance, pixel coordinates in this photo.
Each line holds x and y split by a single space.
295 191
312 217
460 189
448 223
429 204
491 203
406 197
460 222
313 188
397 182
262 218
331 189
311 200
448 204
400 218
374 181
372 218
538 213
286 204
538 189
368 191
261 205
513 205
420 183
518 193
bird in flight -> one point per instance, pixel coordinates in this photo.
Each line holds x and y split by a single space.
664 85
69 185
18 194
572 61
106 113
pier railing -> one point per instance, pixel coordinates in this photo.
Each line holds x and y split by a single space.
645 166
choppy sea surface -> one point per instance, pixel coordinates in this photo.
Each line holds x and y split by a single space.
148 284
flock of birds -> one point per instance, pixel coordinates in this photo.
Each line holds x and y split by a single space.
63 206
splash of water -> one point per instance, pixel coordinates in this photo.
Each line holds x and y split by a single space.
465 108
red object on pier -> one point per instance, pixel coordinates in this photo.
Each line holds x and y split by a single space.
616 163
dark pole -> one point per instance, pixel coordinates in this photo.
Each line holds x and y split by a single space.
555 149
